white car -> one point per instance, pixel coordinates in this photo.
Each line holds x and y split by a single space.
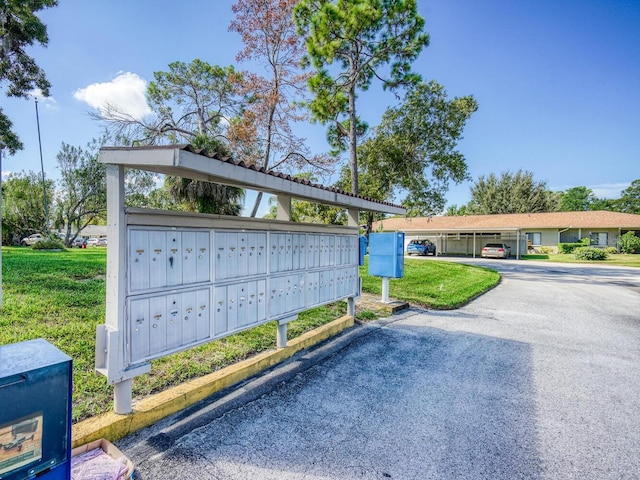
32 239
496 250
92 242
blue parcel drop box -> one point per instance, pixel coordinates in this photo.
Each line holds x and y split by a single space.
386 254
35 412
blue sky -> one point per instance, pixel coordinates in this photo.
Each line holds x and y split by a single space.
557 81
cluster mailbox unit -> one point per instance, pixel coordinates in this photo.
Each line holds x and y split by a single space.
175 298
176 280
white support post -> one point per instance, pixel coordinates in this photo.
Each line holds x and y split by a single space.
351 307
116 294
281 340
385 289
474 244
122 397
353 217
283 207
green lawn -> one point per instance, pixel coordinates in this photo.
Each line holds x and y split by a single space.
435 284
619 259
60 296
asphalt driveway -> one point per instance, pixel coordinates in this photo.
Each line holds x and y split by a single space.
537 379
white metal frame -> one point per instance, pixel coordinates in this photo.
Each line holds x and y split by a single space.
117 340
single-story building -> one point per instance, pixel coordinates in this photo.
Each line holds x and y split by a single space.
523 232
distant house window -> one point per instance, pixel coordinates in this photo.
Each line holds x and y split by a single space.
600 238
534 239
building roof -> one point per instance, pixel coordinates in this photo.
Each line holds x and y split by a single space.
514 221
189 162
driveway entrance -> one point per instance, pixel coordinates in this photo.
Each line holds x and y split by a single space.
538 379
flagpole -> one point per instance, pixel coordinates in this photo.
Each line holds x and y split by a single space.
44 187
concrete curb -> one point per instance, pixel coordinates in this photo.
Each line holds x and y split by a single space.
149 410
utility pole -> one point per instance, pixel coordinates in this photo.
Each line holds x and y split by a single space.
44 187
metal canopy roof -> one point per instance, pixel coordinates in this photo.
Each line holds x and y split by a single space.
185 161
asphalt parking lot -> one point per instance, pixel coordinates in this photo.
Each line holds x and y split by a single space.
537 379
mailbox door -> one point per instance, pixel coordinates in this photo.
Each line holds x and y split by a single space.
203 299
158 319
203 259
174 323
220 313
189 258
158 264
243 254
189 316
139 329
221 254
139 259
243 310
174 258
232 307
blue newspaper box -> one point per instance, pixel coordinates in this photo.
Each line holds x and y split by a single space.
386 254
363 249
35 412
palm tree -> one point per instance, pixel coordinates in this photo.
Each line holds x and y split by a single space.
206 197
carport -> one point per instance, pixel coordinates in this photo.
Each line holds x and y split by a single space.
470 242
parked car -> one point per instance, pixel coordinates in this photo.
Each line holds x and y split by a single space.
79 242
421 247
496 250
32 239
102 242
92 242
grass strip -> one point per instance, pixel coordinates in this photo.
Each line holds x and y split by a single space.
435 284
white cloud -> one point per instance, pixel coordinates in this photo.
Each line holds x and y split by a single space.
609 190
125 93
48 102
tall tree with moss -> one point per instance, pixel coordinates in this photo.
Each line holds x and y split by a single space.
20 28
349 43
205 197
191 103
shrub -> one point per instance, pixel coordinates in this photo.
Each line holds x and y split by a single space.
569 247
611 250
546 250
49 243
629 242
588 253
